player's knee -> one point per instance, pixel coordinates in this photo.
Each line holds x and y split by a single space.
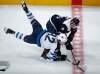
28 39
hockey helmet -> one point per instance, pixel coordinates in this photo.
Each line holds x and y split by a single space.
55 22
63 29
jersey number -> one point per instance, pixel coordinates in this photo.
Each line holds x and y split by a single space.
50 38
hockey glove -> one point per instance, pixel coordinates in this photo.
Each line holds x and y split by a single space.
74 23
69 46
24 6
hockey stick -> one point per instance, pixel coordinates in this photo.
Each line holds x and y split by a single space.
76 62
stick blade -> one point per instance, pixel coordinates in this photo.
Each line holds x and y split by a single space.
4 65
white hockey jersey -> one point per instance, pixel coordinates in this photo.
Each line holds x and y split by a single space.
48 41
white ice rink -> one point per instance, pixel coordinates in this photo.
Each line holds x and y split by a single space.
25 58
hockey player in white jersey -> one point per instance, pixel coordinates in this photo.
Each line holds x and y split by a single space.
40 37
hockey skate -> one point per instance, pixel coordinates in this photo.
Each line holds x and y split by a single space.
56 57
45 52
24 6
9 31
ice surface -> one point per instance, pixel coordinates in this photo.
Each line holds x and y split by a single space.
25 58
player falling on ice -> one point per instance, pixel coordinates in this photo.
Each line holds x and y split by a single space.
40 37
46 38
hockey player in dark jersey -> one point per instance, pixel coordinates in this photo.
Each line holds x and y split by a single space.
56 25
43 38
62 29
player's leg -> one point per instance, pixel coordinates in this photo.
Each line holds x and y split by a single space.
14 33
35 24
54 54
21 36
37 28
44 53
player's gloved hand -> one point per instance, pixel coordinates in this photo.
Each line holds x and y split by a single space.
69 46
74 23
24 6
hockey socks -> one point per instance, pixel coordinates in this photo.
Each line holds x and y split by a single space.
19 35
